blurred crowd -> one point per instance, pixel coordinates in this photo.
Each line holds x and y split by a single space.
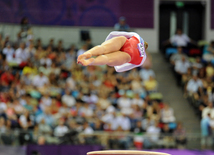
192 64
47 98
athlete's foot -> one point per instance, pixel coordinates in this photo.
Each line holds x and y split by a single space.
85 62
85 55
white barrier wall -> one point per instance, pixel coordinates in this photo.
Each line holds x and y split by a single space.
71 35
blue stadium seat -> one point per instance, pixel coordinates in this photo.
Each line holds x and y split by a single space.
205 49
170 51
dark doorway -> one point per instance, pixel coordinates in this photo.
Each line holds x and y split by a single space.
187 15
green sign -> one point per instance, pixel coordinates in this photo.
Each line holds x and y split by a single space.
179 4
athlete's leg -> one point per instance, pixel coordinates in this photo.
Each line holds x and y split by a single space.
111 59
108 46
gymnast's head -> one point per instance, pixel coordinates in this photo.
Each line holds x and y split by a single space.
146 45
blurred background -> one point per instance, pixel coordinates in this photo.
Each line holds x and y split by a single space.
51 105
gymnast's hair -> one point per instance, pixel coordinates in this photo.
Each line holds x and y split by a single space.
146 45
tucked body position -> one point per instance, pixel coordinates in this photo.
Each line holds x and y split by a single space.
123 50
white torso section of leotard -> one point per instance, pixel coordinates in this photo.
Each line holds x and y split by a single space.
127 66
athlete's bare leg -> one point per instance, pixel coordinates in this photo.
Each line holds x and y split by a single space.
108 46
111 59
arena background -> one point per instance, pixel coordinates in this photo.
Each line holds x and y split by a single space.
67 20
75 13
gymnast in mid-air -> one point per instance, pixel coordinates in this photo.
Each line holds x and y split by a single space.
123 50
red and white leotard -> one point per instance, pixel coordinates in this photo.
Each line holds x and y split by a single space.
134 46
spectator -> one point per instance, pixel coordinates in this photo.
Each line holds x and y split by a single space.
138 138
166 140
25 26
136 85
209 70
150 85
167 114
87 110
146 72
46 115
38 43
44 129
45 61
61 129
124 103
211 124
87 129
152 136
18 108
166 131
121 25
8 51
28 105
179 39
3 108
137 101
123 121
181 68
7 78
146 122
208 110
26 121
21 55
1 42
31 50
154 111
110 122
59 47
209 54
2 63
40 80
30 69
180 136
29 40
54 69
6 40
46 101
177 56
2 125
196 66
68 99
98 126
194 85
138 128
206 139
25 29
103 101
64 110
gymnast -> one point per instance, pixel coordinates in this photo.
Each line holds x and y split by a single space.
123 50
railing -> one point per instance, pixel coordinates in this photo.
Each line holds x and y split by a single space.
109 140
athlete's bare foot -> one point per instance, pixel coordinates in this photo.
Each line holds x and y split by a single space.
85 62
85 55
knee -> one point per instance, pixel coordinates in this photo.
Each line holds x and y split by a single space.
122 39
